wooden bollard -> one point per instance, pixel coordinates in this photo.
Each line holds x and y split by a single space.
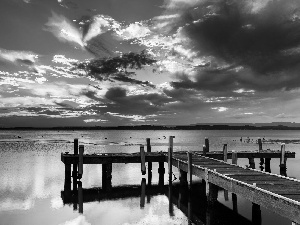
161 172
207 144
282 161
204 150
190 169
225 152
80 165
143 159
170 155
234 157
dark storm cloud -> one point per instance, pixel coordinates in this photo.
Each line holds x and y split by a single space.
260 45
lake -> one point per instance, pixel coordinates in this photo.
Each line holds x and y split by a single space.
32 175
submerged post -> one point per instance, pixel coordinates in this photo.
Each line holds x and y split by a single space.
225 152
106 176
80 166
80 197
234 202
143 193
170 155
143 161
207 144
67 186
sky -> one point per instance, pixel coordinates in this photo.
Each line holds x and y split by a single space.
217 61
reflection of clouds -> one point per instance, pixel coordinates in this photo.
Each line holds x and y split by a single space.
80 220
56 203
127 211
9 204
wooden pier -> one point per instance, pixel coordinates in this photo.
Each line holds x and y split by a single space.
277 193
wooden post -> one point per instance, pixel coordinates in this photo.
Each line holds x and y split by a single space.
204 150
259 145
171 209
260 149
251 163
170 155
106 176
80 166
225 152
67 186
190 169
234 202
207 144
226 195
80 197
234 157
75 165
161 172
282 161
149 163
267 165
183 178
143 160
256 214
212 193
143 193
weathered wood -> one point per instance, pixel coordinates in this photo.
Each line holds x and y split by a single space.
207 144
161 172
143 161
190 168
234 157
170 155
107 176
80 165
225 152
149 150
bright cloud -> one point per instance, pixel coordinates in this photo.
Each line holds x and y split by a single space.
220 109
134 30
24 57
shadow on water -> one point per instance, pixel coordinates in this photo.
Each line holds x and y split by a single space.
192 201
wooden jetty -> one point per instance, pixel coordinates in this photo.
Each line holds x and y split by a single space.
277 193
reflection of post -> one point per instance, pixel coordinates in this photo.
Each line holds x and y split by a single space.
143 193
171 210
80 166
267 165
161 172
67 177
234 203
256 214
282 161
80 197
190 207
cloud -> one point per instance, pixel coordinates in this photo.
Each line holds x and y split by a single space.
18 57
64 30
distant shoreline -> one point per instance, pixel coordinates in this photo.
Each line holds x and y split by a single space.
166 127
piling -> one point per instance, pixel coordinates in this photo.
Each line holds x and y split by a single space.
161 172
256 214
251 162
234 202
149 163
261 159
183 178
75 165
170 155
80 165
190 177
267 165
225 152
207 144
212 193
234 157
204 150
107 176
143 160
282 161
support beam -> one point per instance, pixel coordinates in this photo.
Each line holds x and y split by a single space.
234 203
256 214
234 157
80 197
212 193
183 178
67 186
161 172
143 193
268 165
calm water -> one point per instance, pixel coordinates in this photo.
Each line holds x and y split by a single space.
32 176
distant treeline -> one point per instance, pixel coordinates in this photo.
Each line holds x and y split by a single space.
156 127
